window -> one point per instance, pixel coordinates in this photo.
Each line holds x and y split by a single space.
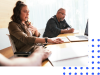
42 10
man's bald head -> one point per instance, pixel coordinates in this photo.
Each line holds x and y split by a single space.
61 14
60 10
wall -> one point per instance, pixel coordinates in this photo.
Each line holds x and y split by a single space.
4 40
6 10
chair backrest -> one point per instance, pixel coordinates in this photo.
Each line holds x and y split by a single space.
12 43
41 32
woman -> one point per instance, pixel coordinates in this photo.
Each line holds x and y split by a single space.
24 35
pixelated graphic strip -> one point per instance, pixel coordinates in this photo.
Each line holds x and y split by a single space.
95 55
81 71
94 62
75 70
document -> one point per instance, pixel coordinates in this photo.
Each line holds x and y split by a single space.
63 38
67 53
76 31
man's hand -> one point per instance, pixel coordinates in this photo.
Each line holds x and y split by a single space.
71 30
67 30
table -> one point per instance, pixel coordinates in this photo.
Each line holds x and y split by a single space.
64 45
8 51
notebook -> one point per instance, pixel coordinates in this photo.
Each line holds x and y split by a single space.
80 37
60 54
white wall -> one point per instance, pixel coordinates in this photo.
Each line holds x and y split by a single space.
42 10
4 40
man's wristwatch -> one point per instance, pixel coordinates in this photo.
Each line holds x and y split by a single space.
46 39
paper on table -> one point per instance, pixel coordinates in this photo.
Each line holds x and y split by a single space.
67 53
76 31
63 38
81 61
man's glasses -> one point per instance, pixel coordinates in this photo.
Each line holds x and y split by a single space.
62 14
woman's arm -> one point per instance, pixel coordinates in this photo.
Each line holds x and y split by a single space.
34 30
42 40
17 33
37 34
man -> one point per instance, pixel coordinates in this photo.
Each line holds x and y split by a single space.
57 25
35 59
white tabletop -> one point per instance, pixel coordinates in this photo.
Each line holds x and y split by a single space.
81 61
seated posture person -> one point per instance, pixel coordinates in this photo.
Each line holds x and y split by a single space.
24 35
57 25
35 59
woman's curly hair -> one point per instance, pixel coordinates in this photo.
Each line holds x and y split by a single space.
17 11
16 15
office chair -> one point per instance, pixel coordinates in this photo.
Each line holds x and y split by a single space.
14 48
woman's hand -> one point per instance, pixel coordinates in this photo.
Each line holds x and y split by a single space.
56 41
32 28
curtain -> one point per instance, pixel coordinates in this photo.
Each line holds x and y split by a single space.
42 10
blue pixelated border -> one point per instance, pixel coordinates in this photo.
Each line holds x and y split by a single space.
92 62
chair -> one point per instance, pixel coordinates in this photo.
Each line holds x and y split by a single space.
14 48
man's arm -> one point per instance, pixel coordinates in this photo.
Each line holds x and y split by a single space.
52 25
56 30
67 25
71 30
67 31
